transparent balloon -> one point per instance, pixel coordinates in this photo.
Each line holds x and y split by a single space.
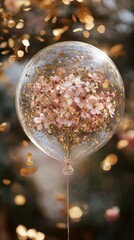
70 99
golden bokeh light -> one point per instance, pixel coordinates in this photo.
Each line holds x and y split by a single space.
6 181
21 231
19 200
75 213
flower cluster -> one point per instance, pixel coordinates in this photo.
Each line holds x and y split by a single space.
81 102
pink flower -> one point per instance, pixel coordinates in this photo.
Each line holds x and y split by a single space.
91 87
94 106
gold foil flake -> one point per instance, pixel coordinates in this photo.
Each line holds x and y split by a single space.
28 171
27 9
61 225
5 52
122 144
40 39
12 58
106 83
106 166
61 197
26 42
29 156
54 20
3 44
86 34
47 18
117 50
66 2
78 30
20 53
101 29
58 31
89 26
20 25
25 143
3 126
5 30
111 158
11 42
11 23
74 18
6 181
42 32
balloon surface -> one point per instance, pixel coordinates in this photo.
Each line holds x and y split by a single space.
70 99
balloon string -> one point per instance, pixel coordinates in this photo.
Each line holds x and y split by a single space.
68 226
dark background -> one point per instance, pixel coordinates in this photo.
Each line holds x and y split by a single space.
105 194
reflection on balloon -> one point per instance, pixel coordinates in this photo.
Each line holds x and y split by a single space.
69 100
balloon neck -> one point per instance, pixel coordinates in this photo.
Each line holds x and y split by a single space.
68 169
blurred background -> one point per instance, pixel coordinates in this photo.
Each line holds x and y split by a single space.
32 187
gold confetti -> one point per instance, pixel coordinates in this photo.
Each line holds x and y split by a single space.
25 143
122 144
40 39
61 197
75 212
6 181
101 29
66 2
47 18
78 30
42 32
29 156
106 166
12 58
27 9
74 18
5 31
61 225
11 23
26 42
54 20
89 26
11 42
117 50
5 52
86 34
20 53
28 171
3 44
111 158
106 83
20 25
40 236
